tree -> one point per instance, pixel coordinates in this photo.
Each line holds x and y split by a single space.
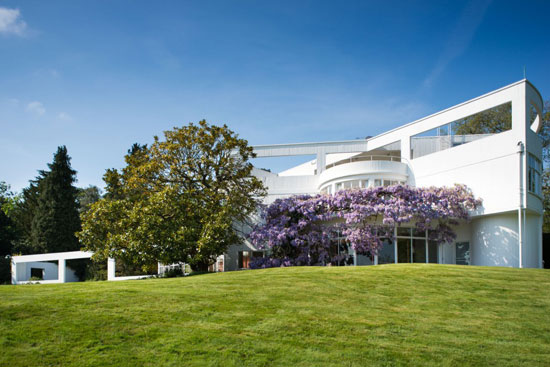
7 226
492 121
56 217
87 196
545 135
300 230
180 199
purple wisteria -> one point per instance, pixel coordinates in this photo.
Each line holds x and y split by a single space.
302 230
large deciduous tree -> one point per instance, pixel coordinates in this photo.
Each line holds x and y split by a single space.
87 196
178 200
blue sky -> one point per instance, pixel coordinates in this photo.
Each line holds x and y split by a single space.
99 76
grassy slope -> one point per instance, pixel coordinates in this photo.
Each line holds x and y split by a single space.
385 315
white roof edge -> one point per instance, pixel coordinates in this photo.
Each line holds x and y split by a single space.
355 141
457 106
358 141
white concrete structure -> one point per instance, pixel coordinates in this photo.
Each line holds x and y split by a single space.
503 169
23 266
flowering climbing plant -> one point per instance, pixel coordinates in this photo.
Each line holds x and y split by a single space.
301 230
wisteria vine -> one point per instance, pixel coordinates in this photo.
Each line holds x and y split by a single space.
300 230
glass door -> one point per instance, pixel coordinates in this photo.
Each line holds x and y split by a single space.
403 250
463 253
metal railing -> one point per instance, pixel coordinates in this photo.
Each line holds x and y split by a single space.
365 158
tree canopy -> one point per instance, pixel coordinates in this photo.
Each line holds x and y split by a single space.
178 200
492 121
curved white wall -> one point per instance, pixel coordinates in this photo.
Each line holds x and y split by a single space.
371 169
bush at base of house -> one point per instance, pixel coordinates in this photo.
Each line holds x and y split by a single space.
268 262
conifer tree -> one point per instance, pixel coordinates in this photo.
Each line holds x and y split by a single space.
56 219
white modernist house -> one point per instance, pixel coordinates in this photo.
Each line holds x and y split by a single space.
489 143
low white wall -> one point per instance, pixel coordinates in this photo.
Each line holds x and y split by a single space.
50 271
495 240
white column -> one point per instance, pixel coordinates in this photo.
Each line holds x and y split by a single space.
61 270
110 269
375 259
13 271
321 158
395 243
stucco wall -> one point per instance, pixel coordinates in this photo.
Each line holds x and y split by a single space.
495 240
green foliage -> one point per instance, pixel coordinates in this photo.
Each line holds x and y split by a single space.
5 270
56 218
491 121
177 200
87 196
545 135
8 232
23 215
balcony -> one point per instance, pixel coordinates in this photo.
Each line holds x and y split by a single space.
371 167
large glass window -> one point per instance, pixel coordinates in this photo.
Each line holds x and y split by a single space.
480 125
386 255
419 250
533 176
403 250
433 252
413 246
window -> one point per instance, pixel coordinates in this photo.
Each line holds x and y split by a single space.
533 176
463 253
364 184
377 182
386 255
480 125
414 247
37 273
244 259
326 190
433 250
403 250
419 250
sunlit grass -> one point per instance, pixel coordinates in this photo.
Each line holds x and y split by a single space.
349 316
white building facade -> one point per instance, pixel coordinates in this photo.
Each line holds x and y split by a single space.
471 144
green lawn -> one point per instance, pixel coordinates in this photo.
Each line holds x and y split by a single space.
386 315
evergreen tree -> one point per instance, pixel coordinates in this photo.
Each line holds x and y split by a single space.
7 227
56 219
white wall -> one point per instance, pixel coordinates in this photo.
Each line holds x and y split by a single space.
495 240
532 256
50 271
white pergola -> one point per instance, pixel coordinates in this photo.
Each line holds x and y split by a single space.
18 266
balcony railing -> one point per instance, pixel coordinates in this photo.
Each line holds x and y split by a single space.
365 158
